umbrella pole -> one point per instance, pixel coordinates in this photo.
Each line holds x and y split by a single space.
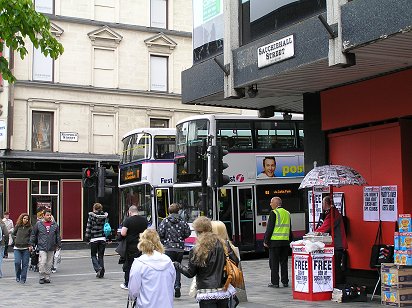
313 208
332 229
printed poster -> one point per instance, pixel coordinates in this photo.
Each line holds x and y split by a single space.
389 203
319 193
371 195
322 269
301 273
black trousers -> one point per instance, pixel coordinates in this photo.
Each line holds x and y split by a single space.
279 256
176 256
214 303
339 274
130 256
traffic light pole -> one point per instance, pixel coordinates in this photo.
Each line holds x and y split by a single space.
204 177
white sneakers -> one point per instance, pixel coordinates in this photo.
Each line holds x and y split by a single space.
123 286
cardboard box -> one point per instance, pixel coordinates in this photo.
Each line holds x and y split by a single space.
405 240
392 276
396 297
405 222
403 257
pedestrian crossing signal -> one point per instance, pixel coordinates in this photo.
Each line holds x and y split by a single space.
88 177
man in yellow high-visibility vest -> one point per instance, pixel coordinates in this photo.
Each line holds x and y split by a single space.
278 236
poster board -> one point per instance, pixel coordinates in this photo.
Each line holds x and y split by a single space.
301 273
322 270
380 203
319 193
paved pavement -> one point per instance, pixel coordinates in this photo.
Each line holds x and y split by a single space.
75 286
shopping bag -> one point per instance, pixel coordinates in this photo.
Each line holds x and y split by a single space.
57 259
121 248
380 253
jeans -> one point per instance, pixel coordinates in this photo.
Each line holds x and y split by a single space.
279 255
1 259
178 257
97 253
45 263
21 263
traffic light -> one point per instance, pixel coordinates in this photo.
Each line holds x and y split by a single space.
105 178
88 177
218 166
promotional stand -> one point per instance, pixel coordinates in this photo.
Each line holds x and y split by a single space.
312 273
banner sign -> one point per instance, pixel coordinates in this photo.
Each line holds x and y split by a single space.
371 203
322 269
301 273
389 203
380 203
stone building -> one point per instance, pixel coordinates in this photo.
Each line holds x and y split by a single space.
121 69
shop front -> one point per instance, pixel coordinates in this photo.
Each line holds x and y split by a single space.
34 182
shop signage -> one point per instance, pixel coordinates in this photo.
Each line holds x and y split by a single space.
301 273
71 137
276 51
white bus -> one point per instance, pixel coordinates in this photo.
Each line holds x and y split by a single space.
146 172
242 204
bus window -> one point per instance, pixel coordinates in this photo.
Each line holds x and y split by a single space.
289 194
140 147
140 197
164 147
126 150
225 209
275 135
234 135
189 199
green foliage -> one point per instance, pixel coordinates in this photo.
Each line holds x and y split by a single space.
19 20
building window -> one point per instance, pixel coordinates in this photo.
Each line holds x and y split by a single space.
104 131
158 14
44 196
42 131
104 10
259 18
159 123
158 73
42 66
104 68
44 6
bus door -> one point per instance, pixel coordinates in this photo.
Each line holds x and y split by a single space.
225 208
161 203
245 209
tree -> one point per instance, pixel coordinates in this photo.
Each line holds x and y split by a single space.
19 20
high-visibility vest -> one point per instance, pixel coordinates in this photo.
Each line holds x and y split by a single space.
281 230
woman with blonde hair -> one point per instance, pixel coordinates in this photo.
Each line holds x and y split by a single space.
206 262
152 276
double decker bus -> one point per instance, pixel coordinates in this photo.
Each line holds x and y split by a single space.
244 203
146 172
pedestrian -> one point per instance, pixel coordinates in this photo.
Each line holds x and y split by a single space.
10 227
22 247
4 237
95 235
152 275
277 238
46 235
219 228
131 229
173 231
339 238
206 262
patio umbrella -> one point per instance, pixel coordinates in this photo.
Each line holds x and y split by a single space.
331 176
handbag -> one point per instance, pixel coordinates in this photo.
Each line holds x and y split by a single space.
380 253
234 275
193 288
121 248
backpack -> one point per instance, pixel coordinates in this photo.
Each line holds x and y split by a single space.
234 275
107 229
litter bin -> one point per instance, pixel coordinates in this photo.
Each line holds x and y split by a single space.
312 273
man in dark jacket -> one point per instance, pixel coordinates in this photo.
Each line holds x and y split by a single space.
95 234
278 236
131 229
173 231
46 235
